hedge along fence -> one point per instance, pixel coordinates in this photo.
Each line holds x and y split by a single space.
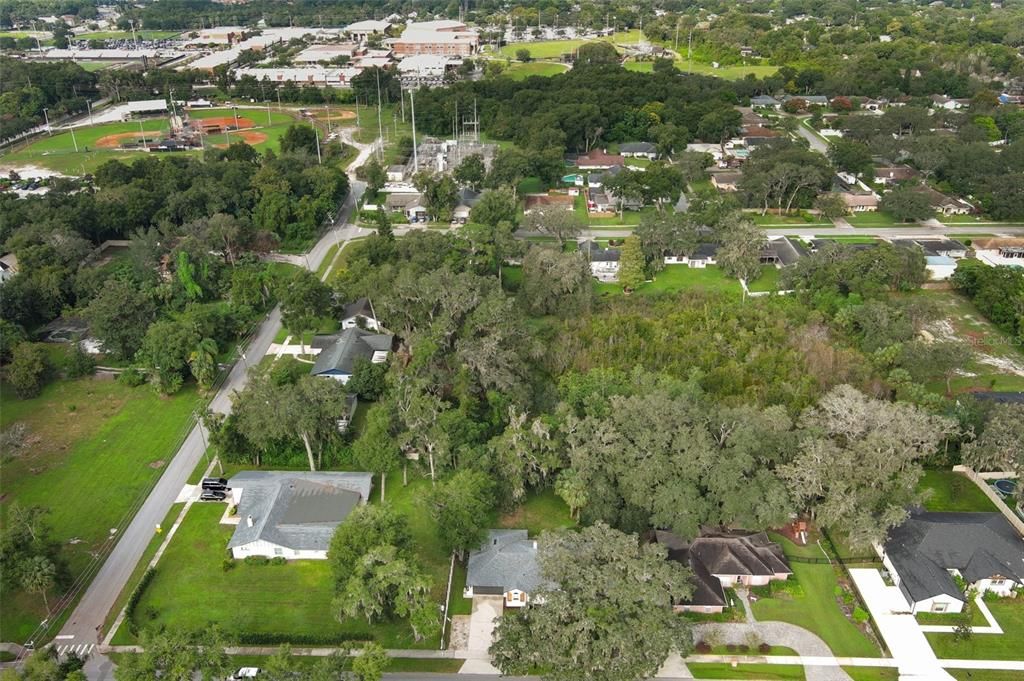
133 600
859 604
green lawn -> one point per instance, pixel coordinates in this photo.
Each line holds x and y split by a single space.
848 239
950 619
94 65
954 492
760 672
875 218
768 281
983 675
522 71
554 49
816 608
294 598
540 512
773 219
100 445
726 72
1009 612
678 278
873 673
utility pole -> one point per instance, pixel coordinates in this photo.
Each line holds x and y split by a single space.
143 131
380 122
73 140
89 104
415 151
689 52
316 133
46 117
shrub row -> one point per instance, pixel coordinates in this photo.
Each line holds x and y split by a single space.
133 600
279 638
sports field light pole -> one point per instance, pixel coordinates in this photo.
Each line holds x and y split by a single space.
316 135
268 113
46 117
73 140
142 130
234 110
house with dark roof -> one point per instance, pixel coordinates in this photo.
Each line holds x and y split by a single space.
505 565
359 313
726 181
765 101
782 252
338 354
292 514
894 174
931 550
639 150
722 558
604 262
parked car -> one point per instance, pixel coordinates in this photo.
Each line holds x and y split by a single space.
215 483
246 673
213 495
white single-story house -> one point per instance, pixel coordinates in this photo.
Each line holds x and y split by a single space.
639 150
292 514
396 173
701 257
506 565
930 550
604 262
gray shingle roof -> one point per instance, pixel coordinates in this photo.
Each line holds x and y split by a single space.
295 509
637 148
506 561
979 545
359 307
597 254
339 356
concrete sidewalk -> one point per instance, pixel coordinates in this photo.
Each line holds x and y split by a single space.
909 647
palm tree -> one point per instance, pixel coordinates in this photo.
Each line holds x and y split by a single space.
203 362
38 575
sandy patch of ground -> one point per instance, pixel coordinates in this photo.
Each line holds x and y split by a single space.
115 141
342 115
223 122
28 170
944 330
248 136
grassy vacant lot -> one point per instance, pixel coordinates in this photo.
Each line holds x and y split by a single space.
998 363
1009 612
522 71
553 49
954 492
761 672
678 278
96 446
773 219
816 608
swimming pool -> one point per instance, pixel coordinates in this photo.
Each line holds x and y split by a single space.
1007 487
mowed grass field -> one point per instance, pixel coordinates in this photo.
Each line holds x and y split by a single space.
553 49
678 278
726 72
96 445
522 71
57 151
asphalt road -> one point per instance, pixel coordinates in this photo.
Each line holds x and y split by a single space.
817 143
80 632
909 231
